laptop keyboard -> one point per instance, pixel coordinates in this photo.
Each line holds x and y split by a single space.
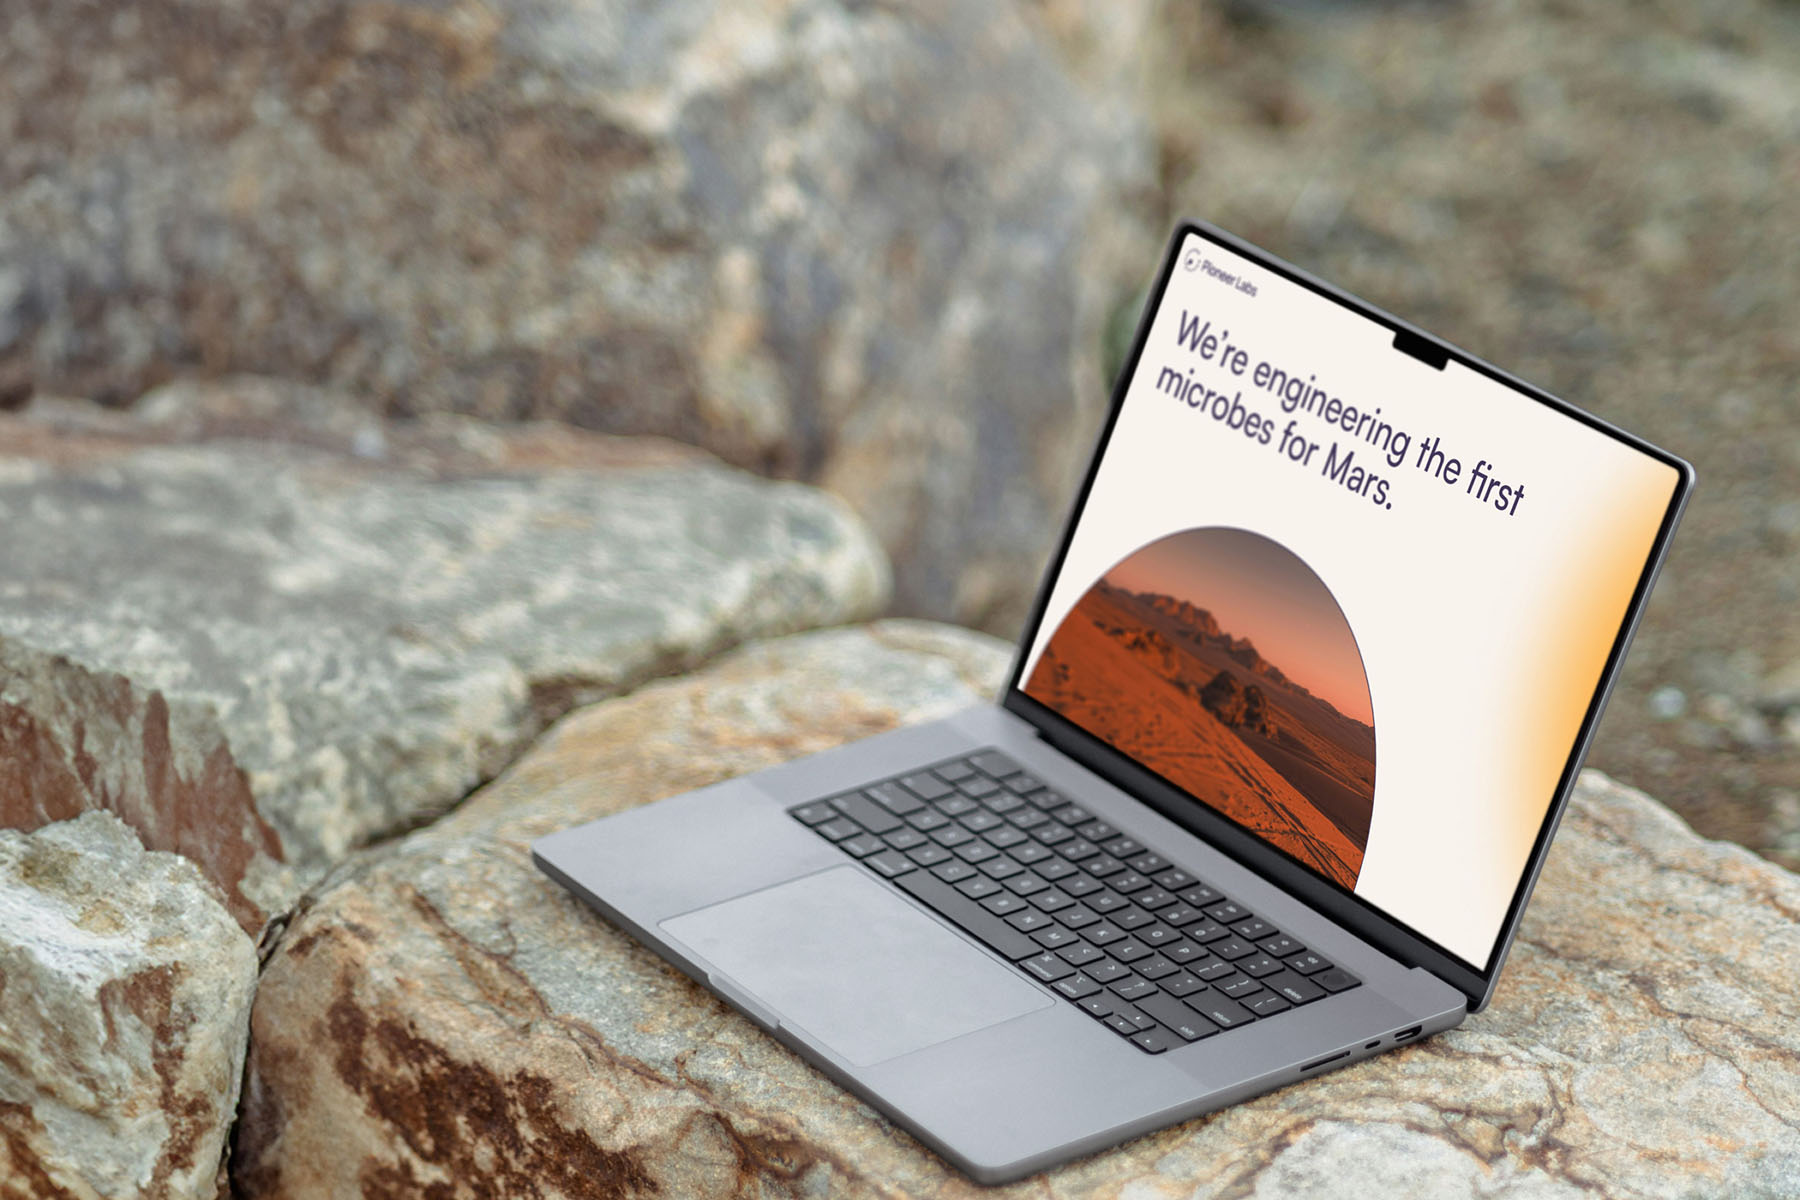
1157 956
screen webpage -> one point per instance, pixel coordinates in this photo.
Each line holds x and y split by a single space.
1353 602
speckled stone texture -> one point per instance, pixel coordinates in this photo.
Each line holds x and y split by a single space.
263 654
125 992
441 1016
867 245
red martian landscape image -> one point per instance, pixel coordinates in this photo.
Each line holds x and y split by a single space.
1218 659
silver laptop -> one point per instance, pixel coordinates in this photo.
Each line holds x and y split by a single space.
1288 732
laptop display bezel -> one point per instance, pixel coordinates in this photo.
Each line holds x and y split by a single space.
1375 925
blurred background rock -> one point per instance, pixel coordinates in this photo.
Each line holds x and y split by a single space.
895 248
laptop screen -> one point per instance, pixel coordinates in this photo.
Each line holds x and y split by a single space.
1353 593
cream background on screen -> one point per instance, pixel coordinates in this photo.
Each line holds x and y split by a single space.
1483 634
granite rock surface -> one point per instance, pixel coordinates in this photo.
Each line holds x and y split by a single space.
125 990
262 654
860 244
441 1016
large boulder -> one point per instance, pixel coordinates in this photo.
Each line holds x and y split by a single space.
442 1018
263 654
125 992
868 245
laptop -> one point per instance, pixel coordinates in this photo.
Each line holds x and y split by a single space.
1291 724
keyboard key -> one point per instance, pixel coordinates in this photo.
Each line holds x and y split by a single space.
1154 967
928 819
1025 884
1072 815
956 806
1078 885
1128 882
1185 952
930 855
1052 868
866 812
980 821
1233 949
1005 803
1079 955
1026 817
963 912
1131 918
1102 865
904 838
1296 988
1238 986
953 871
1152 1041
1213 969
1097 831
1079 917
1107 902
1147 864
977 787
1124 847
1048 968
1280 946
1024 782
1076 986
1267 1004
954 771
1030 853
1108 970
896 799
1104 934
1006 837
1133 989
1183 914
1336 980
1051 900
1189 1025
837 829
1182 983
979 887
1004 904
816 813
1048 800
1075 849
1001 867
862 845
1121 1024
1207 931
1155 898
926 785
1307 964
1129 950
1029 920
890 863
976 852
995 763
1227 912
1255 929
952 836
1054 938
1199 895
1175 879
1098 1005
1259 965
1222 1011
1052 834
1158 936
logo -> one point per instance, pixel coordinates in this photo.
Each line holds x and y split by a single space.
1192 261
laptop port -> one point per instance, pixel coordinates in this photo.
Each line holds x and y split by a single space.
1407 1035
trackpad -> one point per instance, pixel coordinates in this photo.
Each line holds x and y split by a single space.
840 957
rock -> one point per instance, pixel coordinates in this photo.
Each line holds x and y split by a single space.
869 246
264 654
125 990
442 1016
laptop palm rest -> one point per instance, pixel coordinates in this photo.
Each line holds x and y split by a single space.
841 958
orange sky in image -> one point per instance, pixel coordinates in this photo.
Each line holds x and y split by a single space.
1261 591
